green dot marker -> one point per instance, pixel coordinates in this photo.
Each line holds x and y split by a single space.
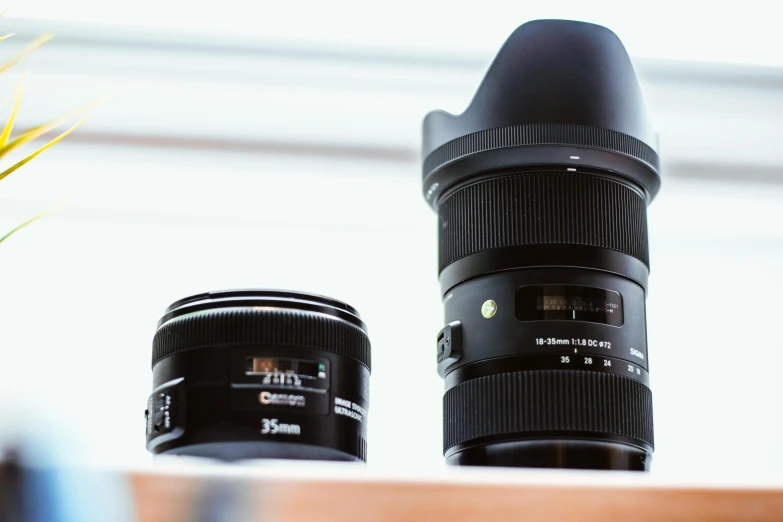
489 308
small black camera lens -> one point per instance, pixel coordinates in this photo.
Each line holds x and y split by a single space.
249 374
541 187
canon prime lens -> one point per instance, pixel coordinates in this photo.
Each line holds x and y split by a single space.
541 188
260 374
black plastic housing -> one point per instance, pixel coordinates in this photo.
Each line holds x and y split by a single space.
260 374
541 187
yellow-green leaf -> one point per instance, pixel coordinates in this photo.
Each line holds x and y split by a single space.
39 130
29 158
24 53
6 37
31 220
9 125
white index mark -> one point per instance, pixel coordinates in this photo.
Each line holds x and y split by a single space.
574 157
571 170
574 313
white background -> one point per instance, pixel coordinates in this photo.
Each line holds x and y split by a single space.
746 32
322 194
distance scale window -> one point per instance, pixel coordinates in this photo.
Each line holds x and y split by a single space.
290 373
569 303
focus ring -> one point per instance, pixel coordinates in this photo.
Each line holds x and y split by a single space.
525 402
277 327
542 208
537 135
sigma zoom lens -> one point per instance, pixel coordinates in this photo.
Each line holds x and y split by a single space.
260 374
541 188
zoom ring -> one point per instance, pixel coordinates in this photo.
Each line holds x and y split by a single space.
542 208
268 327
523 403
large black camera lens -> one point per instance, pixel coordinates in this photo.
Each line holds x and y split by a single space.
260 374
541 188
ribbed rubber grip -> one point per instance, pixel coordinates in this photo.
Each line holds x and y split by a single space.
523 403
261 326
542 208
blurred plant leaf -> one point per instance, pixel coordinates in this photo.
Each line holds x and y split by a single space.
38 131
24 53
30 221
9 125
7 145
29 158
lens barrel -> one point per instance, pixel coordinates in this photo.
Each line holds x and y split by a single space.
260 374
541 188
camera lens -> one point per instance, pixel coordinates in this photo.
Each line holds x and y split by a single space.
260 374
541 188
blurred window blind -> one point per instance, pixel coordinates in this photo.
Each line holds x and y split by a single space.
692 31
